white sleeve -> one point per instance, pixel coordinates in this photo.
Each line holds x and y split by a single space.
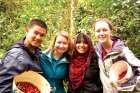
131 57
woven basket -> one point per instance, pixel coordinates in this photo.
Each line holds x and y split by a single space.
120 68
34 78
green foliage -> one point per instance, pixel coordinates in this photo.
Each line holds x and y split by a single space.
14 14
127 20
124 14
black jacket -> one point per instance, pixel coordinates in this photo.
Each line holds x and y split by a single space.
91 82
17 60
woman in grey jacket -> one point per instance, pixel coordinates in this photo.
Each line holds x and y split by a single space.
23 55
108 44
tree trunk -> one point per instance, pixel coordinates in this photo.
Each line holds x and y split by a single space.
72 19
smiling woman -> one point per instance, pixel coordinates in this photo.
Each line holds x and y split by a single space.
82 44
84 70
61 46
54 62
107 44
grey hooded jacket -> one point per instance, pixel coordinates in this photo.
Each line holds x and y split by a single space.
131 59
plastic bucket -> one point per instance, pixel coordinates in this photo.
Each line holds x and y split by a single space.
33 78
120 71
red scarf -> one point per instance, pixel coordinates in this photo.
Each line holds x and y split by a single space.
77 70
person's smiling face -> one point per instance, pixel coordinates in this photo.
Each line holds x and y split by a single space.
35 36
102 31
61 44
81 47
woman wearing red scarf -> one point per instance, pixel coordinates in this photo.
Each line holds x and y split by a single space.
84 70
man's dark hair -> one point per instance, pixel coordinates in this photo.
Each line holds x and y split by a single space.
37 22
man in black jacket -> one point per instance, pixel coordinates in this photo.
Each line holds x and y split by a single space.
23 55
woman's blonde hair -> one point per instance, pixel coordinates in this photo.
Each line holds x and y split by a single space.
65 35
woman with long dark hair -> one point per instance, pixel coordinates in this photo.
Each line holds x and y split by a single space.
84 70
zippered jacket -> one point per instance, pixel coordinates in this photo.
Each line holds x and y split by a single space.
17 60
132 61
55 71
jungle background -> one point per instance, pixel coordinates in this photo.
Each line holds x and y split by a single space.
71 16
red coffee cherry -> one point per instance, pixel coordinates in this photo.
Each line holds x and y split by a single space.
27 87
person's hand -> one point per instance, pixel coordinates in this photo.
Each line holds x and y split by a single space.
114 84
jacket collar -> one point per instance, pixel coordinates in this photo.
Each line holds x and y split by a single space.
50 57
118 46
20 44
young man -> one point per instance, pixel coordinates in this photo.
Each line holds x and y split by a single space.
23 55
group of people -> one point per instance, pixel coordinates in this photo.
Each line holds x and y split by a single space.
78 61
